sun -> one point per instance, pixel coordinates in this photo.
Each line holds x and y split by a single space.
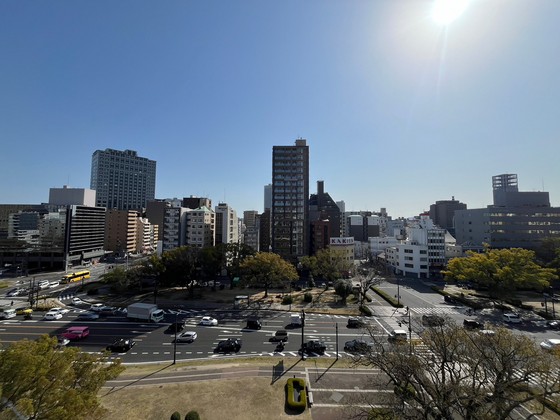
446 11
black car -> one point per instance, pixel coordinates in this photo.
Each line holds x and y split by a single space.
357 346
228 346
254 323
448 299
472 324
432 320
175 327
121 345
354 323
314 346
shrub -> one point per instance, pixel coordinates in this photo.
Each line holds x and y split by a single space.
287 300
176 416
192 415
307 297
366 310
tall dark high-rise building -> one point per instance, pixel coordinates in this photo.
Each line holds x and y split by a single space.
324 216
290 200
443 212
122 179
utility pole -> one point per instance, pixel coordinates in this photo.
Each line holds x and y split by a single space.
302 334
336 340
409 330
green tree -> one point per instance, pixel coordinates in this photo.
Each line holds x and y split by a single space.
235 254
343 288
42 382
211 262
180 266
464 374
332 264
549 250
266 269
503 271
327 264
121 279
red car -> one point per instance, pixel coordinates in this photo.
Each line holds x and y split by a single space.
76 333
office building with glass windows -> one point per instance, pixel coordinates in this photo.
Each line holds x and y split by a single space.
122 179
516 219
290 200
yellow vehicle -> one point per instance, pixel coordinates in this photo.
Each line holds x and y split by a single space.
77 276
24 311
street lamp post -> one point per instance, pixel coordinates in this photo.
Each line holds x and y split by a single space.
175 341
398 292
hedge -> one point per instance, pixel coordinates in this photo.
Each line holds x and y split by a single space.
394 302
366 310
293 386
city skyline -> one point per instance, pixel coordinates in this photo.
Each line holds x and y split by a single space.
398 111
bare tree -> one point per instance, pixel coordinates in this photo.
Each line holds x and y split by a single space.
460 374
364 280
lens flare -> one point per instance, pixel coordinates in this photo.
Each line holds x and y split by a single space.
446 11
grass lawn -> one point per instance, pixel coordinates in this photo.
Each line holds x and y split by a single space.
225 398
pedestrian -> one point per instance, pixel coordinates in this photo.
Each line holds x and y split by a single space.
12 304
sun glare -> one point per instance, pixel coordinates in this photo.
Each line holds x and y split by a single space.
446 11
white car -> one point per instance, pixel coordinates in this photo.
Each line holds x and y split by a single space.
96 307
550 344
51 316
77 301
54 283
61 311
206 320
187 337
511 317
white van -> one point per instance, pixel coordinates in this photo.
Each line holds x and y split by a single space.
511 317
43 284
397 336
6 313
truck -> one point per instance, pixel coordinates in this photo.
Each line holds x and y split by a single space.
144 312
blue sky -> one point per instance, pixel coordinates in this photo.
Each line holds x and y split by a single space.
398 111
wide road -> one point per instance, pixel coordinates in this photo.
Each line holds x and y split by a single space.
155 344
421 299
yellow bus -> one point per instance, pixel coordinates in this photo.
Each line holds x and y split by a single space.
77 276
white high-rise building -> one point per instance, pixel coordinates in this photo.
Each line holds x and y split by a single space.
227 225
200 227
